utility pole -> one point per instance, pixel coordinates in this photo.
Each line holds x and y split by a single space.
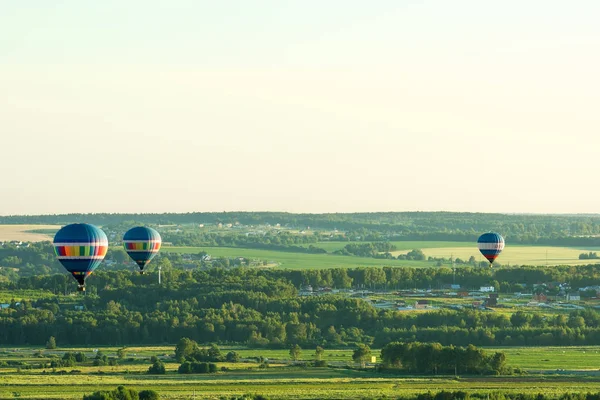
159 269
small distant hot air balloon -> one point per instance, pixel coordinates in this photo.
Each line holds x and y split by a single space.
80 248
490 245
142 244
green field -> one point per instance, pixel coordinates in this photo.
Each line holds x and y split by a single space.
6 296
552 358
512 255
533 358
404 245
296 260
283 381
515 255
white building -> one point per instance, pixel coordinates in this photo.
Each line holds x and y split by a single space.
486 289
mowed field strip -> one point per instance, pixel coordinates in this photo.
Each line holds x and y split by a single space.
514 255
22 233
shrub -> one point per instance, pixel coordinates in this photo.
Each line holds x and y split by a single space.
158 368
185 368
148 395
232 356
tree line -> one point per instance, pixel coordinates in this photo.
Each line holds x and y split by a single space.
433 358
566 230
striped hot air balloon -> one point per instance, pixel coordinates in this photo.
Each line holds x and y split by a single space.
142 244
490 245
80 248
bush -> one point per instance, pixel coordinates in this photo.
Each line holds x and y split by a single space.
200 368
185 368
197 368
121 393
232 356
100 359
158 368
148 395
320 363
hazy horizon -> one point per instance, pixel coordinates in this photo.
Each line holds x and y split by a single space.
304 106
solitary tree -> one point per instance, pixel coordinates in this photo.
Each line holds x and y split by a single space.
361 354
319 353
184 348
51 343
122 353
295 352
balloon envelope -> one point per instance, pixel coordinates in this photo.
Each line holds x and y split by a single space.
490 245
80 248
142 244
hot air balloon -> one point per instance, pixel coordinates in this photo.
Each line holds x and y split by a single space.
80 248
490 245
142 244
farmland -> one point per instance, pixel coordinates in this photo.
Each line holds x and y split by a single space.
296 260
249 306
512 255
27 233
281 380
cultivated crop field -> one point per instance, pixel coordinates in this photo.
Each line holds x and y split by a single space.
27 233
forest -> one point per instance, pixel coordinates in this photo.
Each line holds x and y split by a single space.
261 308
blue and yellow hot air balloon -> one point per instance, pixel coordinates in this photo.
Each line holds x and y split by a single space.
490 245
142 244
80 248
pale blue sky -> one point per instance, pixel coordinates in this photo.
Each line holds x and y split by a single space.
299 106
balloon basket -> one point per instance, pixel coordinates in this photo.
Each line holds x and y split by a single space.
142 272
81 288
